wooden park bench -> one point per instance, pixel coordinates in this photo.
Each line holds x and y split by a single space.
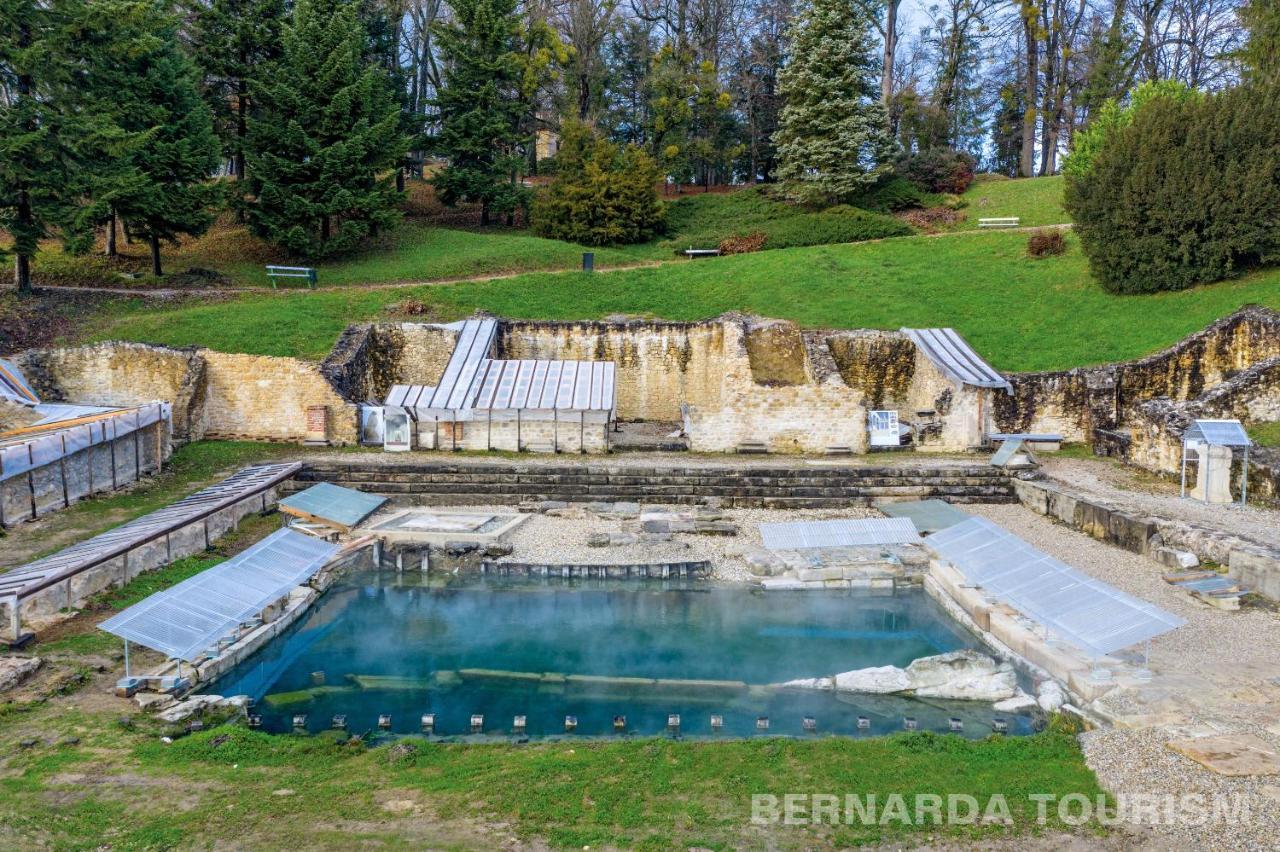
274 272
999 222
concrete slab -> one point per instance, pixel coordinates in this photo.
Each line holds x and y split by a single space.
1231 754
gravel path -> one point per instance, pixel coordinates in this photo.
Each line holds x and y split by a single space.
1219 673
1154 496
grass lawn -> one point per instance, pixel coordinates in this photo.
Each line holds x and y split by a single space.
1020 313
414 252
1036 201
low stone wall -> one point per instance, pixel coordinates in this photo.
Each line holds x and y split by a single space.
97 469
262 398
1255 564
193 538
646 570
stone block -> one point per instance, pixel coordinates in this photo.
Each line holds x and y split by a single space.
1257 570
1171 557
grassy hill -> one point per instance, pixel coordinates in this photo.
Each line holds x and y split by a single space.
1036 201
1022 314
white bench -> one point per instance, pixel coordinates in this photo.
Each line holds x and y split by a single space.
999 222
274 272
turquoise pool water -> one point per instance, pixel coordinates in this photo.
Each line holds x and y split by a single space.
379 645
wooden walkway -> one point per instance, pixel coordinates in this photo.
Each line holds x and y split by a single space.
60 567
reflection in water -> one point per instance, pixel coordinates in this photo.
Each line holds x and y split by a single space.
595 649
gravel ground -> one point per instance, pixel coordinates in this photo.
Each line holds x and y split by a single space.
1151 495
544 538
1217 674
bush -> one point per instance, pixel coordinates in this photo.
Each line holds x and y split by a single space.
1046 243
1086 144
1187 193
707 220
894 194
602 194
938 169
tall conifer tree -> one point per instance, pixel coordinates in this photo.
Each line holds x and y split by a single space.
326 140
156 175
36 173
1261 53
235 41
832 137
480 106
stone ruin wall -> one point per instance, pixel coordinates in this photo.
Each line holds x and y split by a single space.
122 374
213 394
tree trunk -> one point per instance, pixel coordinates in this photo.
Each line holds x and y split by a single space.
324 229
400 179
890 48
242 126
128 235
22 273
484 215
1026 162
155 256
111 234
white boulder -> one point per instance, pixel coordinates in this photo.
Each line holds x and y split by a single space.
877 680
963 674
1050 696
14 670
1019 703
967 675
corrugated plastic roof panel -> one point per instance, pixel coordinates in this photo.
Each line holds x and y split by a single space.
953 355
798 535
14 386
345 507
1087 612
474 342
545 385
190 618
929 516
1218 433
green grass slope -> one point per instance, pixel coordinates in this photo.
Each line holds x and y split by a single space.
1036 201
1022 314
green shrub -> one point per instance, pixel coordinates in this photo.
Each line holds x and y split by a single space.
1111 116
602 195
938 169
894 194
1187 193
706 221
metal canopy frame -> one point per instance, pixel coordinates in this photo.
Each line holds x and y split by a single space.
1086 612
188 619
1216 433
847 532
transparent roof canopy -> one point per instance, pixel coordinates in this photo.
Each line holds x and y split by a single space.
799 535
189 618
1218 433
1073 606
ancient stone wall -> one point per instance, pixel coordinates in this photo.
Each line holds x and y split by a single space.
264 398
659 364
122 374
1076 402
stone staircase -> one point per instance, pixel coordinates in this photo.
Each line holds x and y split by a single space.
797 486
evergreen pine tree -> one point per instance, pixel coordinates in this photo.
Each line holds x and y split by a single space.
480 106
36 176
1261 53
326 139
157 175
235 41
832 137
